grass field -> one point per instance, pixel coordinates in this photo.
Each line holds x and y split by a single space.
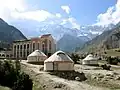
112 52
4 88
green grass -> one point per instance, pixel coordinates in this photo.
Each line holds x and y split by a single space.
36 86
4 88
112 52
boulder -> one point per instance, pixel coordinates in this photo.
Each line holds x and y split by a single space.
77 78
117 78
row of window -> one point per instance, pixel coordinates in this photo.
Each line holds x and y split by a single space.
3 55
44 46
21 54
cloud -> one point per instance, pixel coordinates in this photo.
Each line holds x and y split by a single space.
66 9
20 14
37 15
70 22
73 22
9 6
58 15
111 16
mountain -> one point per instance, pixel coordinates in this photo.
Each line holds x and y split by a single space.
107 40
69 43
9 33
33 28
85 33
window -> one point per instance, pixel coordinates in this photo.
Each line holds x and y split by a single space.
27 46
33 46
43 46
24 46
17 46
20 54
45 43
20 46
38 45
50 45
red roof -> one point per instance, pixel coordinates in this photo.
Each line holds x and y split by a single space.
45 35
35 39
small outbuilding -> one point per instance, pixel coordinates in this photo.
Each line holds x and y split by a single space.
90 60
59 61
36 57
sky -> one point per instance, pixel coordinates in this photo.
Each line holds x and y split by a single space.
69 13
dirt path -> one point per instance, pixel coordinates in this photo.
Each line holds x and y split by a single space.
51 82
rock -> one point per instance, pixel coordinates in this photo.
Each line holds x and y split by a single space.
101 76
93 77
59 86
77 78
115 73
104 79
108 77
44 86
108 74
117 78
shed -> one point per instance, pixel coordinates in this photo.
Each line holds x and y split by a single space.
36 57
59 61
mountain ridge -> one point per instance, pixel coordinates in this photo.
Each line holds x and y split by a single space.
8 34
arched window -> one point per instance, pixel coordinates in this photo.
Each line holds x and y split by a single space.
21 47
7 55
50 46
24 46
3 55
17 46
43 46
33 46
38 45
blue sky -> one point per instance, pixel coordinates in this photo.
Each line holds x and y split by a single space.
70 13
85 11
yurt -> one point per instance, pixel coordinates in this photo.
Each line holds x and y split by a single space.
36 57
90 60
59 61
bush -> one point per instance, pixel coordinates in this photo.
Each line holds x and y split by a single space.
11 76
106 67
112 60
75 57
23 82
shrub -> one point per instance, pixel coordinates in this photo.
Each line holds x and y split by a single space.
11 76
112 60
106 67
23 82
75 57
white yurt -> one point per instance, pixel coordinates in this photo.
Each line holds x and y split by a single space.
36 57
90 60
59 61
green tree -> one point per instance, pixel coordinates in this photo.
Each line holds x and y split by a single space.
75 57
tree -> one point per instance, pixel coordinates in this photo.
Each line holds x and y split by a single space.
75 57
112 60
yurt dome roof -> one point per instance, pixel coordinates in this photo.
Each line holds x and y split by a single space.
90 57
59 56
37 53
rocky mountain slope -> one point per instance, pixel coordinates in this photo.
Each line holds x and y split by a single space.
8 34
107 40
69 43
85 33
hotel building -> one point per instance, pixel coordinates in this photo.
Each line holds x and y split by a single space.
22 48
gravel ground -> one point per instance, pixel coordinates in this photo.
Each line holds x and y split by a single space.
97 79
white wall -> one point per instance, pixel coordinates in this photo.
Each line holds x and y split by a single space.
36 59
48 66
65 66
